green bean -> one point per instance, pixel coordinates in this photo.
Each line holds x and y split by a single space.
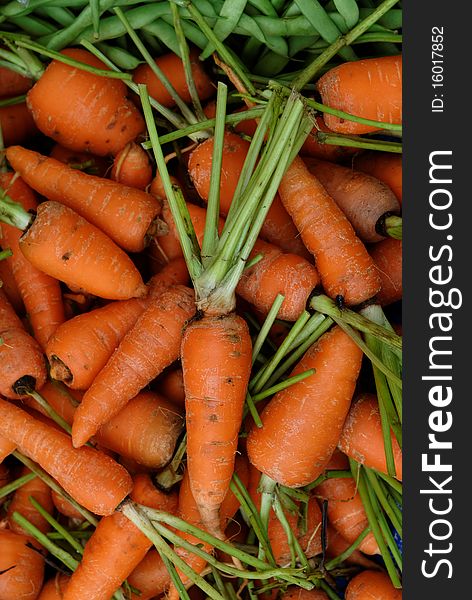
95 10
61 15
392 19
270 64
32 25
349 10
165 33
14 8
152 43
251 50
192 32
264 6
230 14
122 58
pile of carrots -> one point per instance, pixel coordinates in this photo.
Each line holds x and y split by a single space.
200 339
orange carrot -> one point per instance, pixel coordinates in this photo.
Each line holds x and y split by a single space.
345 509
171 386
150 577
344 265
383 165
41 293
125 214
6 448
9 286
296 593
172 67
151 345
95 481
145 492
90 113
312 147
369 88
63 506
93 165
20 355
115 549
132 167
17 124
20 503
69 248
302 424
4 475
12 83
278 227
362 439
364 200
21 568
337 545
387 256
372 585
54 588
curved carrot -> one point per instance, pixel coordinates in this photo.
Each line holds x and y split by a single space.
12 83
278 227
296 593
370 88
344 265
20 355
20 503
151 345
124 213
383 165
216 363
363 199
171 386
91 478
132 167
372 585
346 512
82 111
387 256
150 577
302 424
67 247
172 67
41 293
93 165
21 568
362 438
17 124
54 588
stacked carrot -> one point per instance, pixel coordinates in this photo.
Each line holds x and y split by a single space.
104 365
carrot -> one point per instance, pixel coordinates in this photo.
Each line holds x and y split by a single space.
175 272
362 439
6 448
21 568
20 503
125 214
115 549
313 148
150 577
69 248
345 509
387 256
364 200
151 345
12 83
344 265
96 481
54 588
9 286
337 545
83 111
372 585
20 355
172 67
17 124
4 475
145 492
171 386
93 165
369 88
296 593
41 293
278 227
302 424
132 167
383 165
63 506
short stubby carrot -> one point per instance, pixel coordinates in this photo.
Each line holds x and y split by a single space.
344 265
12 83
385 166
17 124
83 111
132 167
21 567
41 293
278 227
23 365
302 424
172 67
69 248
216 364
125 214
151 345
370 88
362 438
387 256
364 200
93 479
372 585
54 588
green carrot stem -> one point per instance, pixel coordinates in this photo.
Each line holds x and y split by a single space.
311 326
328 590
175 577
217 579
393 227
283 385
57 526
253 410
12 101
5 253
267 490
49 410
266 326
298 494
325 305
14 485
12 213
352 141
55 550
385 500
331 474
80 535
296 551
334 562
392 482
95 8
32 466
